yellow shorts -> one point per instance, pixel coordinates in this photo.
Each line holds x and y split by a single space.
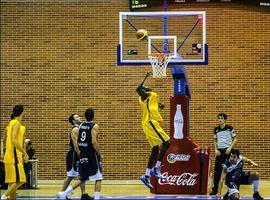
14 173
154 133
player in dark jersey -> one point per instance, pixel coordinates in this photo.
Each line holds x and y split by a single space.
72 157
90 157
234 176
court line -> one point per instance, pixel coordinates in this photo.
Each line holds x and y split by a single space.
160 197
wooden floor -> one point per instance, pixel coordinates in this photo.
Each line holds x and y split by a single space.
122 188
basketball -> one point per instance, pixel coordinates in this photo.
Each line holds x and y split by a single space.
142 34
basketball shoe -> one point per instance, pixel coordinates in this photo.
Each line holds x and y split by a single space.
62 196
145 180
4 197
226 196
156 172
86 197
257 196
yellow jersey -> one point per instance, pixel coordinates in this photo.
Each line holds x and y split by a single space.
13 155
150 108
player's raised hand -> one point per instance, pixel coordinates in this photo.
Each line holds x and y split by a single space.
253 164
161 105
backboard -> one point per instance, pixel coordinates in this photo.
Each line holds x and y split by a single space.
182 34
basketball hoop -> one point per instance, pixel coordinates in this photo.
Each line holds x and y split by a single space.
159 62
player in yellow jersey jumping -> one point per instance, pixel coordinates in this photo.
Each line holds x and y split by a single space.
157 138
15 154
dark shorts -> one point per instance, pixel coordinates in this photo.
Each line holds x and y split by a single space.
72 160
242 180
89 165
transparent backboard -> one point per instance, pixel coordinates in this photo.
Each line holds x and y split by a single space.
182 34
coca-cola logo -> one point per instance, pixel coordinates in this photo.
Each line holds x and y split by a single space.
172 158
184 179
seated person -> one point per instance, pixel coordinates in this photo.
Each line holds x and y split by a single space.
29 149
3 185
28 166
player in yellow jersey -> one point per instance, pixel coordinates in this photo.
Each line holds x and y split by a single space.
15 154
157 138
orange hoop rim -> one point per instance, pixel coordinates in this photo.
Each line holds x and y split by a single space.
160 58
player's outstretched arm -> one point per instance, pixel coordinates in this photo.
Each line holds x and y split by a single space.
249 161
161 105
140 86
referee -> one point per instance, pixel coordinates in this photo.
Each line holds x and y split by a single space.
224 141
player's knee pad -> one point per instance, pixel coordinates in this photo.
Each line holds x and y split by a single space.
254 176
257 175
155 150
166 145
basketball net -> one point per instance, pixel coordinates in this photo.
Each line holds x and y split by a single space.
159 62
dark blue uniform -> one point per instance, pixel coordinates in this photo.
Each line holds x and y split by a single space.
72 158
89 159
235 175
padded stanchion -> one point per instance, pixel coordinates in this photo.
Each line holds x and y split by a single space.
186 165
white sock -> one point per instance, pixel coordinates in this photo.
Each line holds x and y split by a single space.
158 163
97 195
62 194
147 172
68 190
3 197
255 185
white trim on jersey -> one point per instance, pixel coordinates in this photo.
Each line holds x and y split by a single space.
96 177
233 166
232 191
72 173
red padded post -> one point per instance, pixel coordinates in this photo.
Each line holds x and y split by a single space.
186 165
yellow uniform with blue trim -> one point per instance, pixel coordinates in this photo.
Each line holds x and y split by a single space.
13 159
150 120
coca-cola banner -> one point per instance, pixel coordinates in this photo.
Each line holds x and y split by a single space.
184 179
